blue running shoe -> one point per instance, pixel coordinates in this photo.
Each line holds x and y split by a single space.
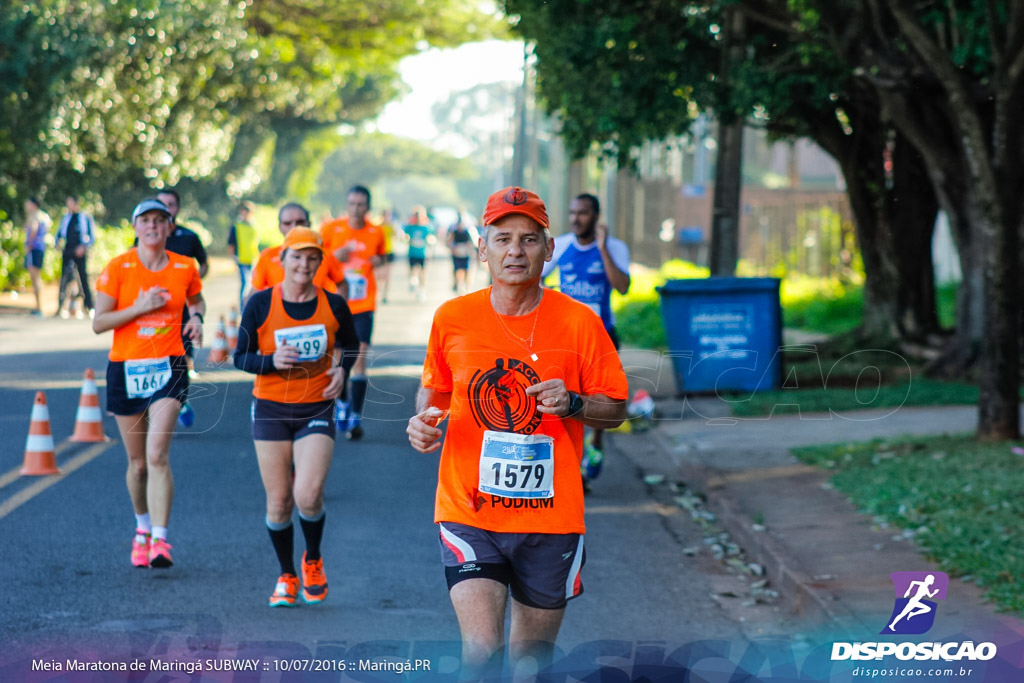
355 428
186 416
341 415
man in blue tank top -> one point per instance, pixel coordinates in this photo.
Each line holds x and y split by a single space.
590 264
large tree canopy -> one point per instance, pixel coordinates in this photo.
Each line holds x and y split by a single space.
111 97
931 85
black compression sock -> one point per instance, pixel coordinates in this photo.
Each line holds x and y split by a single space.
313 530
284 546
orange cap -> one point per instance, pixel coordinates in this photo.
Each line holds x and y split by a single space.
302 238
515 200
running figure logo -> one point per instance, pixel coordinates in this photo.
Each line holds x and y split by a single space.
914 611
497 397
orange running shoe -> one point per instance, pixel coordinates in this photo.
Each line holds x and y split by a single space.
314 583
140 549
285 591
160 553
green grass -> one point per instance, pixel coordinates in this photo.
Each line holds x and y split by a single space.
959 499
870 395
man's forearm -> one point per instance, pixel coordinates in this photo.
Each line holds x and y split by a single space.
601 412
426 398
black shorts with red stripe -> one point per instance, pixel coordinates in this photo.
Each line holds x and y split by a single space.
541 570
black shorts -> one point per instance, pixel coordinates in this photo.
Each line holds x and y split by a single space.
417 261
460 262
34 258
541 570
364 325
273 421
118 401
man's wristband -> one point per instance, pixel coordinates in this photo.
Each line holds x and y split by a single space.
575 404
200 316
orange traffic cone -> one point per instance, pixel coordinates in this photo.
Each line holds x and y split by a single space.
40 458
233 330
89 419
219 351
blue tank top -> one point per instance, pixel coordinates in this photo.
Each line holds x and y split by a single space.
582 276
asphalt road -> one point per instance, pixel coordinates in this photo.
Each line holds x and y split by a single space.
68 589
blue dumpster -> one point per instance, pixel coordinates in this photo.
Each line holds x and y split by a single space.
724 333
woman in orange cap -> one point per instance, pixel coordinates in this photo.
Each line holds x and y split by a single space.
300 342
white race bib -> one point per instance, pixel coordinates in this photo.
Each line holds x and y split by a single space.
517 465
310 340
145 377
461 249
357 286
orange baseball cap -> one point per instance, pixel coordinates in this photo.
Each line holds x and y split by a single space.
302 238
515 200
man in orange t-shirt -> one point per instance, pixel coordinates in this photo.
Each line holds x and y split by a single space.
360 246
519 370
268 270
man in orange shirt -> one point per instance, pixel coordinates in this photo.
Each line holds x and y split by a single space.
360 246
268 270
519 370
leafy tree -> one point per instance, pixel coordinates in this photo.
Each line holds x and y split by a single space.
118 98
621 73
931 85
368 159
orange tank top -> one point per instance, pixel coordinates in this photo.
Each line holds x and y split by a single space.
314 337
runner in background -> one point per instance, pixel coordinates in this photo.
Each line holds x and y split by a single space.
417 234
359 245
384 270
292 337
37 224
77 232
269 270
244 245
141 295
186 242
590 264
518 370
460 240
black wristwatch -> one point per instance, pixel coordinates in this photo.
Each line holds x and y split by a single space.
200 316
575 404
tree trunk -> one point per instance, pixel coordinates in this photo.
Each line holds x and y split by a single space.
894 219
725 221
724 249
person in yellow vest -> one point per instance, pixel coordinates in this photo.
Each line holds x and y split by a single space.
244 245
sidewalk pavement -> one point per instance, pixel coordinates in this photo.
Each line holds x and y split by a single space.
829 559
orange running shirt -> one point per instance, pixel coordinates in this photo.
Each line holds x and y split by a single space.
306 380
268 271
157 333
365 244
486 365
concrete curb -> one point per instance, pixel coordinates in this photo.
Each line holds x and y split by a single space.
808 597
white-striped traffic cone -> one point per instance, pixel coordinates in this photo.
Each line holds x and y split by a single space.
40 458
89 419
232 331
219 350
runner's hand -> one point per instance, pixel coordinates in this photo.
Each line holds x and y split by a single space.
194 330
423 433
337 383
552 397
285 357
343 254
152 299
601 235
